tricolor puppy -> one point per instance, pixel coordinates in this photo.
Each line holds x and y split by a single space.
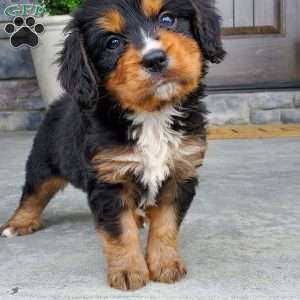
130 129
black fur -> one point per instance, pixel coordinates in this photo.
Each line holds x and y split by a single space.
185 194
207 26
75 75
82 123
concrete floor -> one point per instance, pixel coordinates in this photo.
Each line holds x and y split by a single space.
241 238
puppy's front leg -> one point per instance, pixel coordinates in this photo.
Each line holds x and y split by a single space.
165 264
116 225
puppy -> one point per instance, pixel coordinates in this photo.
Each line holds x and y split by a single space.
130 130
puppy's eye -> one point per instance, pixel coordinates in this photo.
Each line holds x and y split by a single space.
113 43
167 20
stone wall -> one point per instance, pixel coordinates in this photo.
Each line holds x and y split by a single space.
21 105
254 108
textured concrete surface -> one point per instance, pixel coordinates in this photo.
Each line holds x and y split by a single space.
241 238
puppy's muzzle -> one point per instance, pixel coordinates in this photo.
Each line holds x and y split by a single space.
155 61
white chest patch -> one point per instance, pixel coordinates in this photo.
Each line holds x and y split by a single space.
155 147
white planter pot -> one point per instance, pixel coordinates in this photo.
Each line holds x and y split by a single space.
45 54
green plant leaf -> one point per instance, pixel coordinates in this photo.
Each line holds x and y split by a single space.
60 7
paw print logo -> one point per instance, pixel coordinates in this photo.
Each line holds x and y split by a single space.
24 32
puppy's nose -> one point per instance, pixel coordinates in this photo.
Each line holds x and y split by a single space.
156 61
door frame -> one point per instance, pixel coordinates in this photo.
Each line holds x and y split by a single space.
281 32
248 32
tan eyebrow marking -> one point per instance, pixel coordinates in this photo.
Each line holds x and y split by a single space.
112 21
152 8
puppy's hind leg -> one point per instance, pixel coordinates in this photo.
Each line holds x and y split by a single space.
41 185
27 217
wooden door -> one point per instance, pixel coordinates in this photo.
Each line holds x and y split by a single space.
262 38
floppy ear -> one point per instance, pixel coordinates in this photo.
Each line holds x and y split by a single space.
207 25
76 74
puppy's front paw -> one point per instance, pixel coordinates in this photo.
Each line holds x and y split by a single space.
13 229
128 272
127 279
167 267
